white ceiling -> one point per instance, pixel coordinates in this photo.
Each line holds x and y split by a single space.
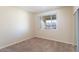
38 9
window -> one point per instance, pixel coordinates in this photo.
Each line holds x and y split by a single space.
48 22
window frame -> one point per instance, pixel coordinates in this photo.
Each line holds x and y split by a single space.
50 15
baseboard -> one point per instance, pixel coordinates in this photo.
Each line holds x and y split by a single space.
28 39
56 40
15 42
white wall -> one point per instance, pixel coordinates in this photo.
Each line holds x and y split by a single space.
65 26
15 25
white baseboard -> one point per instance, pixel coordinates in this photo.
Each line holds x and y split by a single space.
54 40
28 39
15 42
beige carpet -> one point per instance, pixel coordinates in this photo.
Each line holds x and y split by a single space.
39 45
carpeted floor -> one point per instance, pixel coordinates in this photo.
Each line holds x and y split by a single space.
39 45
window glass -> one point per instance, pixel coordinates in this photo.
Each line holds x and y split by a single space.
48 22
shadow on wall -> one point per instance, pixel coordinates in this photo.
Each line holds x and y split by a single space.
14 24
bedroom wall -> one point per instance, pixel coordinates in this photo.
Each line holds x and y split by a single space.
65 26
15 25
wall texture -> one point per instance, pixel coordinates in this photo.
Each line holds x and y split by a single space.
65 26
15 25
